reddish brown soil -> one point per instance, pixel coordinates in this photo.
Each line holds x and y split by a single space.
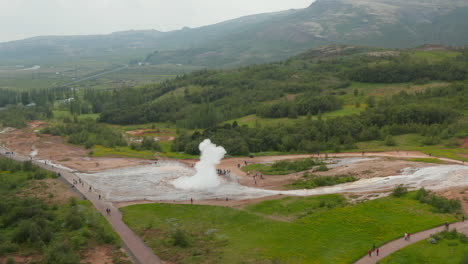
54 148
464 143
52 191
98 255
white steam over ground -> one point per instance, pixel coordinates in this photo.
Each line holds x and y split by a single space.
173 181
155 182
206 176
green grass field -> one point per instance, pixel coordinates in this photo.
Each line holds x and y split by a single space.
446 251
412 142
126 152
254 120
61 114
314 235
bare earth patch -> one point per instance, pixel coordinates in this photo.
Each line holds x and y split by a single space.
98 255
54 148
52 191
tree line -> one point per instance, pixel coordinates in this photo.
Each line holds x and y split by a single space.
433 113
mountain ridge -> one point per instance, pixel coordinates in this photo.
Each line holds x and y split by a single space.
265 37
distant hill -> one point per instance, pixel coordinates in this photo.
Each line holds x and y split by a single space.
383 23
117 47
266 37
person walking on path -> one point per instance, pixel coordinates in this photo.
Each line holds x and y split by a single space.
191 200
99 197
409 236
377 251
406 236
447 225
370 253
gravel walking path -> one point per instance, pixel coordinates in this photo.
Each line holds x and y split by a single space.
139 252
400 243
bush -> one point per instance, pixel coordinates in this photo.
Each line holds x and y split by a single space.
180 239
399 190
322 167
10 260
35 231
441 204
74 219
8 247
390 141
60 253
464 259
314 181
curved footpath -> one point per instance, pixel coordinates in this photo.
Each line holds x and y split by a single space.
400 243
139 252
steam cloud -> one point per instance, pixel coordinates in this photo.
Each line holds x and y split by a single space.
206 176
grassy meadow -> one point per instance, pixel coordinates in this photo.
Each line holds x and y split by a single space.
449 249
289 230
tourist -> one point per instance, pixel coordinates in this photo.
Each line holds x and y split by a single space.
191 200
447 225
377 251
370 253
406 236
89 188
238 165
409 236
99 197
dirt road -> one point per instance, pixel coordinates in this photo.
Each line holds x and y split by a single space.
400 243
140 253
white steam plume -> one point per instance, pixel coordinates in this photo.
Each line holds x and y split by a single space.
206 176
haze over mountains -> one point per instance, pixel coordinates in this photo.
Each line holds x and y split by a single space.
264 37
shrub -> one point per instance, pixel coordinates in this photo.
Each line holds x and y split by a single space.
441 204
60 253
464 259
10 260
180 238
322 167
399 190
390 141
33 231
74 219
8 247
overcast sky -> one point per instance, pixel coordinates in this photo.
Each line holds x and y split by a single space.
26 18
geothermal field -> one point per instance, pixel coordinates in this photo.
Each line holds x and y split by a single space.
176 181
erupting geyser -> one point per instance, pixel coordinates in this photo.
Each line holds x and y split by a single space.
206 176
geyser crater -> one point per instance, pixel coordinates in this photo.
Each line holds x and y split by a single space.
205 176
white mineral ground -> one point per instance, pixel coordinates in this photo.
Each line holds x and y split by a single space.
154 182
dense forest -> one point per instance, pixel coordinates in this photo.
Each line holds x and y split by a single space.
309 83
433 113
296 87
